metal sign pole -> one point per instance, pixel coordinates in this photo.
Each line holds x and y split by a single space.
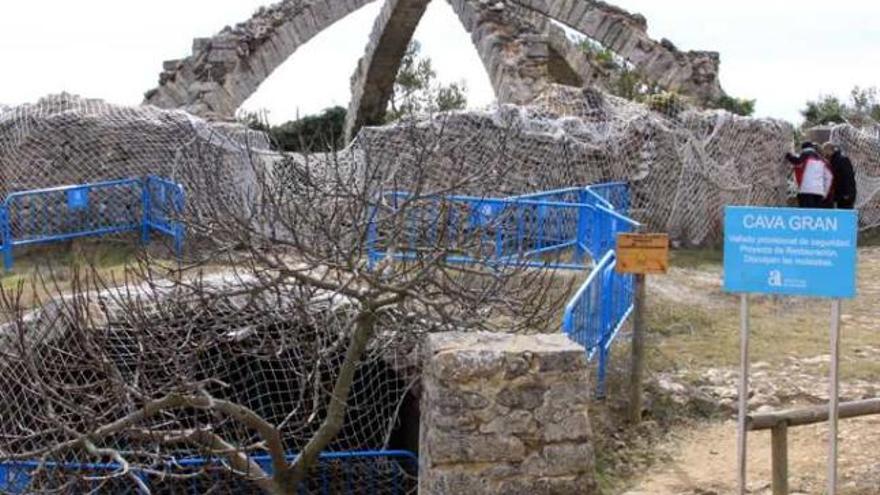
833 396
743 391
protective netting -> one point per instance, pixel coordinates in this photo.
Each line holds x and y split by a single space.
862 145
279 352
684 165
66 140
279 355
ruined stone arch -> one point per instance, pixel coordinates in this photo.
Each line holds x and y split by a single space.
510 41
224 70
522 50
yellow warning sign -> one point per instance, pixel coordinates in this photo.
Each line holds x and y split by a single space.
642 253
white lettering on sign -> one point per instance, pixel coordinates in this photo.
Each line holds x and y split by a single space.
797 223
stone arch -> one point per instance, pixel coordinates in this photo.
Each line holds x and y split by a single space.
693 73
521 50
509 39
373 80
224 70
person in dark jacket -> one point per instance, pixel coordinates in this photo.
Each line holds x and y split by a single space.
812 175
844 176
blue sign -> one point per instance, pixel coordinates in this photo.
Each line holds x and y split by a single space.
78 198
794 251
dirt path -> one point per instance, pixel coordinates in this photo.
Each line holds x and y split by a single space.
697 338
704 461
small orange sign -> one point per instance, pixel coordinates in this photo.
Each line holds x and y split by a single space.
642 253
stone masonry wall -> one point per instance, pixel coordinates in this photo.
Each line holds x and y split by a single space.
505 414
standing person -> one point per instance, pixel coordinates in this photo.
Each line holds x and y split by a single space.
844 176
813 176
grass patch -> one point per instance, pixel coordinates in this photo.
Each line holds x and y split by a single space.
696 258
870 238
43 272
687 336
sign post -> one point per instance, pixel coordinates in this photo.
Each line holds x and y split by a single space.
797 252
741 432
640 254
833 396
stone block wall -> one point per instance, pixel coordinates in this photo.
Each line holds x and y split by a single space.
505 414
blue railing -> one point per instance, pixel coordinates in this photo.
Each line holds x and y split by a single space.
391 472
536 230
164 202
601 306
615 194
523 231
68 212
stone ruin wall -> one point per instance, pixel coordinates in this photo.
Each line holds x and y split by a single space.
683 168
505 414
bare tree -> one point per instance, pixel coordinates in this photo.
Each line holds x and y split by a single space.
309 279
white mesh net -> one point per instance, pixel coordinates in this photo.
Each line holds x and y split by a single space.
266 351
862 145
683 164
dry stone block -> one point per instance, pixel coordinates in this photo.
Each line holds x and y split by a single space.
501 415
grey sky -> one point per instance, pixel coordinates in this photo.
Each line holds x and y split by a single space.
776 51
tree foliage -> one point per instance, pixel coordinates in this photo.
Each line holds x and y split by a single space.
738 106
317 133
417 91
862 108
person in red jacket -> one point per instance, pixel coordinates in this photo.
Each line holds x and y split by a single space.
813 176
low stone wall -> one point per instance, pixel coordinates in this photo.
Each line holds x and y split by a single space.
505 414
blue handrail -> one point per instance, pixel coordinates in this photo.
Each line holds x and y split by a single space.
594 216
62 213
397 468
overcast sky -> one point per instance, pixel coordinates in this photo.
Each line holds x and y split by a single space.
776 51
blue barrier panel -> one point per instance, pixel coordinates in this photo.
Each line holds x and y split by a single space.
518 231
615 194
163 203
102 208
391 472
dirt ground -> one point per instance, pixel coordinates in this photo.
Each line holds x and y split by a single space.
703 460
694 338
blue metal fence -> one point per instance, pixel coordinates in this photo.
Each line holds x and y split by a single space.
391 472
67 212
601 306
522 231
533 231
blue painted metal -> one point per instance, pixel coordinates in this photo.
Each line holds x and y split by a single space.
164 202
601 306
384 471
521 229
68 212
497 232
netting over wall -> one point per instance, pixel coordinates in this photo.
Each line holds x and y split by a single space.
863 148
267 352
271 353
683 164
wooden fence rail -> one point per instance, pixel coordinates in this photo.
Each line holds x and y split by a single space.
779 421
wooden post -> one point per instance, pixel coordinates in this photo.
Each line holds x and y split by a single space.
812 415
779 450
637 366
